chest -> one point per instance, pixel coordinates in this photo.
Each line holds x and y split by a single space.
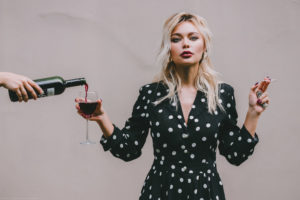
189 122
169 129
186 100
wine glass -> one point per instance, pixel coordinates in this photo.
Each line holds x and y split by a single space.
88 104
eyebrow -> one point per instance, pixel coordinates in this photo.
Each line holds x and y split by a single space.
188 34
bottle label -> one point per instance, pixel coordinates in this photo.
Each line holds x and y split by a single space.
50 91
47 92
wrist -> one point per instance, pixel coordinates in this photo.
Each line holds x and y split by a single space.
101 118
252 113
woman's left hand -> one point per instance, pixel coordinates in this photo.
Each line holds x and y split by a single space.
255 103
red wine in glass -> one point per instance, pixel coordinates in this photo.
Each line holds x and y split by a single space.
88 107
88 104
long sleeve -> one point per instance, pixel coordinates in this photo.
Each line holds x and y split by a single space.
236 144
127 143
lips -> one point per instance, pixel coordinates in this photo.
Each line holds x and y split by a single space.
186 54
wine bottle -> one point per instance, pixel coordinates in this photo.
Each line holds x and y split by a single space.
54 85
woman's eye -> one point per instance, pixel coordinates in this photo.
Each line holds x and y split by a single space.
175 40
194 38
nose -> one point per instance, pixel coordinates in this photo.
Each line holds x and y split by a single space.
185 43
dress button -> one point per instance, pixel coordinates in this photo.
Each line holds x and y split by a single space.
183 169
184 135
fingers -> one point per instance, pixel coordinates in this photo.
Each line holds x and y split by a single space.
19 94
24 93
97 110
256 89
263 95
261 87
80 112
78 100
30 90
259 90
263 100
95 116
77 106
35 86
253 88
99 101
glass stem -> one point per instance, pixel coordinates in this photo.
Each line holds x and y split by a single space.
87 130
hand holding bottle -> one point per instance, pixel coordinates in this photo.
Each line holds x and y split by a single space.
20 85
50 86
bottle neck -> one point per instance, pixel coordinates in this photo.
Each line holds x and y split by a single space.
75 82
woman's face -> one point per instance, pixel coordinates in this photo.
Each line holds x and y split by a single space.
187 44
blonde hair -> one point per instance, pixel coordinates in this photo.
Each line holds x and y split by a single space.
206 80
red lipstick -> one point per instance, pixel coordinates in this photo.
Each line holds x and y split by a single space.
186 54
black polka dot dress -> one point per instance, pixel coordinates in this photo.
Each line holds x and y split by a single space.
184 165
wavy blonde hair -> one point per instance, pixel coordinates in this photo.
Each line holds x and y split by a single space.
206 80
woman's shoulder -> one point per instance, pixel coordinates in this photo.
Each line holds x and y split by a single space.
160 86
225 88
154 90
153 87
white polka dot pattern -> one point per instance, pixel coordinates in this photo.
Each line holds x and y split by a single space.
178 145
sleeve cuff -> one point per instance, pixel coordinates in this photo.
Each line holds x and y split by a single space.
108 143
249 138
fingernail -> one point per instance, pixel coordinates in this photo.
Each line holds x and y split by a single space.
256 83
258 101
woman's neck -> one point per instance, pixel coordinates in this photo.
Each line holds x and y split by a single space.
187 75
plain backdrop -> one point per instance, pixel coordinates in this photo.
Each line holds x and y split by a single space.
113 44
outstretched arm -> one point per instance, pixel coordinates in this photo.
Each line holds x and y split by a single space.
101 117
125 143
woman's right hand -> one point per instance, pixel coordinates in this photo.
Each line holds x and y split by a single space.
96 115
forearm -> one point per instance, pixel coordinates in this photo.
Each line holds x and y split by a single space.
251 121
106 125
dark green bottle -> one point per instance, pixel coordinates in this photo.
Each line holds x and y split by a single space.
54 85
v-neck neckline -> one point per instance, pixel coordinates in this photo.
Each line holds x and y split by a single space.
181 111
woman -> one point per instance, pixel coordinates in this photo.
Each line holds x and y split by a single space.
188 111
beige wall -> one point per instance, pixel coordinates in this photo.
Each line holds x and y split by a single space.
113 44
